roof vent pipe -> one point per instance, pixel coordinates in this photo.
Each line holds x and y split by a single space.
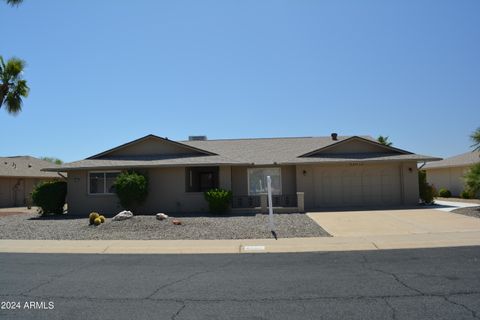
197 138
334 136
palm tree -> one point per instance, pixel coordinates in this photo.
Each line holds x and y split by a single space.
475 136
384 140
12 86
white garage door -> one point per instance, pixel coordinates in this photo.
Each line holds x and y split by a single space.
357 185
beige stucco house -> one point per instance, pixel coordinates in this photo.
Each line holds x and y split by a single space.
449 172
18 176
307 173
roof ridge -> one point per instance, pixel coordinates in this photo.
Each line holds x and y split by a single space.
11 157
271 138
462 154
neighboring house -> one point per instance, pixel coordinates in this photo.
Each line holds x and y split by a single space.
18 176
449 172
307 173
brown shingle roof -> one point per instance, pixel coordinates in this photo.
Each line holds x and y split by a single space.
461 160
262 151
26 166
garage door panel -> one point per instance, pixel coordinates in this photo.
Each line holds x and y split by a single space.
362 185
5 193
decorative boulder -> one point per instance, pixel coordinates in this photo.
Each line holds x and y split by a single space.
177 222
161 216
124 215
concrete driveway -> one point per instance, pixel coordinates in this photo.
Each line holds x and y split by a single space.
393 222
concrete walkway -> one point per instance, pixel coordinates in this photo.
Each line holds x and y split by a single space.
445 205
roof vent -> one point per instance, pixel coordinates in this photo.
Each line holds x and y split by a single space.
197 138
334 136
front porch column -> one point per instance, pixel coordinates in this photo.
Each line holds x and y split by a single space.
263 203
301 201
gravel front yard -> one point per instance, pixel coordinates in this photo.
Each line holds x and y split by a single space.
470 211
32 226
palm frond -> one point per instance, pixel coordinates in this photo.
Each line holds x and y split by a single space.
14 67
22 88
13 103
14 2
475 136
12 87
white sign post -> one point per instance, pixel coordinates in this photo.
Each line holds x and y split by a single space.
270 204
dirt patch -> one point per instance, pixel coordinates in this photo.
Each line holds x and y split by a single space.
8 213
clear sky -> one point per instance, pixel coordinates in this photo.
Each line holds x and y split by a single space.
103 73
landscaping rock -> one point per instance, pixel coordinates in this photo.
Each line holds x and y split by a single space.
124 215
177 222
161 216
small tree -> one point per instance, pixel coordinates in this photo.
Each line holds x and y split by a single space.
50 196
132 189
427 192
52 160
472 180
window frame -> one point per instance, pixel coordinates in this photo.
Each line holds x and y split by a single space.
104 193
215 170
263 168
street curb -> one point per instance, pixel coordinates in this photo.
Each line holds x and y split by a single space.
289 245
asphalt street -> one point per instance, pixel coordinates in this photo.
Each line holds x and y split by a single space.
394 284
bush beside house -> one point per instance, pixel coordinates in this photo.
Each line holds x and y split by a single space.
50 196
218 200
444 193
472 181
427 192
132 189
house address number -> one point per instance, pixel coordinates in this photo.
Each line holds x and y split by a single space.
355 164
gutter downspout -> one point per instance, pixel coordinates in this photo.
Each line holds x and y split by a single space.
424 163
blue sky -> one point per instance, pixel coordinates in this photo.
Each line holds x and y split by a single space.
106 72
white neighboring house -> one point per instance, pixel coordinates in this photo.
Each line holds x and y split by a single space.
18 177
449 172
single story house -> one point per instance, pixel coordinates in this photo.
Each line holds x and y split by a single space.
306 172
449 172
18 177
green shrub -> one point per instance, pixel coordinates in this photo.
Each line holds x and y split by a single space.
218 200
92 216
444 193
102 219
427 191
50 196
97 221
472 180
466 194
131 189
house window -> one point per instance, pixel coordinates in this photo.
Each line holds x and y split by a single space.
102 182
200 179
257 180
